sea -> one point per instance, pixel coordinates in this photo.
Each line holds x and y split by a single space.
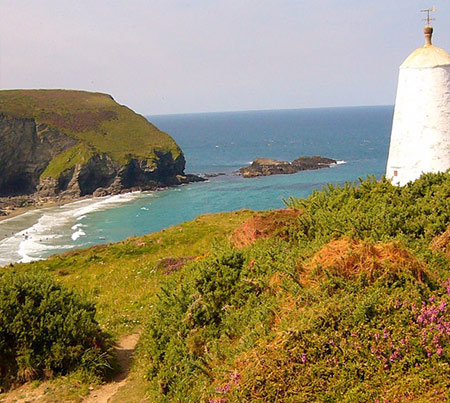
357 137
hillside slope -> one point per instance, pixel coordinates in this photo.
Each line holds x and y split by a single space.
343 298
64 143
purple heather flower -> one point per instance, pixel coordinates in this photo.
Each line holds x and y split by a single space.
235 377
224 389
303 358
447 284
395 356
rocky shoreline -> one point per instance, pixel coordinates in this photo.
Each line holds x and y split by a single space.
267 166
11 206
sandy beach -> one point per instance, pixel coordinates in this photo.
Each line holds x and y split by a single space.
11 207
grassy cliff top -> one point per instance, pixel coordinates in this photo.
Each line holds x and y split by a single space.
94 118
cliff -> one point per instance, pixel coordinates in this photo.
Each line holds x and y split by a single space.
65 144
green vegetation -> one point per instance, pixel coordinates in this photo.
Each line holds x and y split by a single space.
79 154
352 306
122 280
346 300
47 330
93 118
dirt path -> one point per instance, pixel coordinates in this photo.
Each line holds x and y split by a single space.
124 351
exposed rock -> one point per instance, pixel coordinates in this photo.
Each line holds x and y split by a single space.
316 162
25 151
215 175
267 166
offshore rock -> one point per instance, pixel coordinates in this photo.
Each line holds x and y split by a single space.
267 166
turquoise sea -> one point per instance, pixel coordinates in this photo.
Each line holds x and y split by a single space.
358 137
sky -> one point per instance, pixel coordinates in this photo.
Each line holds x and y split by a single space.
186 56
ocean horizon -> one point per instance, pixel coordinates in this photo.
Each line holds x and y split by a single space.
214 142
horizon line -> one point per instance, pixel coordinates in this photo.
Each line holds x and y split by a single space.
267 110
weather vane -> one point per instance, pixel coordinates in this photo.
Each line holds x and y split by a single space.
428 11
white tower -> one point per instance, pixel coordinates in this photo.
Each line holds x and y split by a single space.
420 138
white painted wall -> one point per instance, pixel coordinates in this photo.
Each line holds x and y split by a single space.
420 138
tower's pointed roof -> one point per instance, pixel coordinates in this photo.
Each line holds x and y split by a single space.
427 56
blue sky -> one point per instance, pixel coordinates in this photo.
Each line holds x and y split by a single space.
180 56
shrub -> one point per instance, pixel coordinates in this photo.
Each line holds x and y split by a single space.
377 209
345 303
47 329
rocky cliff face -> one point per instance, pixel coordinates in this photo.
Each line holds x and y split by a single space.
101 176
26 148
54 156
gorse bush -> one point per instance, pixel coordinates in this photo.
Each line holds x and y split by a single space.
377 210
190 313
351 305
47 329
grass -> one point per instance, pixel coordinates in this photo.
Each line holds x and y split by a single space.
122 278
95 119
79 154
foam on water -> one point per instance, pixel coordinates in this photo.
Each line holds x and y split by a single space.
55 229
77 234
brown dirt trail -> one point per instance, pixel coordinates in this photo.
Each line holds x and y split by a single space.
124 351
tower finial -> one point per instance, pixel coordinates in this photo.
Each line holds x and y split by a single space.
428 31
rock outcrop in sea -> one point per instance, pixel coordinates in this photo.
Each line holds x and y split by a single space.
267 166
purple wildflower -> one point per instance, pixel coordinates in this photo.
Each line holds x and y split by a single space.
395 356
235 377
447 284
